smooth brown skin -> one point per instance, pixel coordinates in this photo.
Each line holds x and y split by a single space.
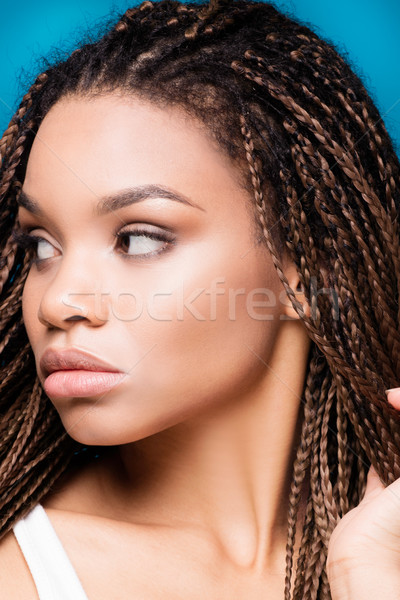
192 501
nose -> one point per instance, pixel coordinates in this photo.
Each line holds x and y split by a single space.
74 294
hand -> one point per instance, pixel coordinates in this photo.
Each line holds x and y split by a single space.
364 550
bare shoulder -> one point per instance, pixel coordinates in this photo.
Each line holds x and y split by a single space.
16 582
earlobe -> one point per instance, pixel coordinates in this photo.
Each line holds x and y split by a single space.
288 312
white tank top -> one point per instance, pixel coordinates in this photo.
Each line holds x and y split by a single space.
51 569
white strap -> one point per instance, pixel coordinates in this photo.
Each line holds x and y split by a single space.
51 568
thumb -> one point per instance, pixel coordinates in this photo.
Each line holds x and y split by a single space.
393 397
373 484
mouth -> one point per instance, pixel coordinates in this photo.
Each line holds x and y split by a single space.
70 372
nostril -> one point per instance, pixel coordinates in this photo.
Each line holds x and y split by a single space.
75 318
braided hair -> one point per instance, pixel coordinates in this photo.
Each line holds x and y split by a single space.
313 150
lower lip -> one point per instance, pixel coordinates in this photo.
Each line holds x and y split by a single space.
77 383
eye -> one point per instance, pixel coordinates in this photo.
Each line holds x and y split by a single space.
142 243
138 243
42 249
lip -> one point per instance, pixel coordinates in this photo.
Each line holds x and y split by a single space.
80 383
67 359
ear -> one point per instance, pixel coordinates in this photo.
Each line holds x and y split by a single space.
288 313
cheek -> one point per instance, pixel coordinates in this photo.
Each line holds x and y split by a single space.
210 331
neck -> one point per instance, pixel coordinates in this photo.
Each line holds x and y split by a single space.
229 471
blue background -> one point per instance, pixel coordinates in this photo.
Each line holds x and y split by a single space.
367 31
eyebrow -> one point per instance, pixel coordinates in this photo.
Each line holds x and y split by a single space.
120 199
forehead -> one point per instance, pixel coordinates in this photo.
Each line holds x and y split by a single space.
93 146
105 128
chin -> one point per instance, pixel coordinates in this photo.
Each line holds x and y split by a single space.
91 437
88 428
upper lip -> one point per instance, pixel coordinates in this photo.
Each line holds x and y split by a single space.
61 359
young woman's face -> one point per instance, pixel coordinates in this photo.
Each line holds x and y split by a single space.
184 315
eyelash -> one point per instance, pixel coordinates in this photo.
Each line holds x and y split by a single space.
28 241
152 235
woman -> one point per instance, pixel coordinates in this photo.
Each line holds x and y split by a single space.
202 208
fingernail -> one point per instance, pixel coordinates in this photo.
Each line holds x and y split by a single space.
392 390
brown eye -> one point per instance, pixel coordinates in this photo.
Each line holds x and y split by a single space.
142 243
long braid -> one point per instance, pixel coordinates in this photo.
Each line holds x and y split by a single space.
331 183
11 149
317 386
12 131
312 393
308 583
322 494
338 152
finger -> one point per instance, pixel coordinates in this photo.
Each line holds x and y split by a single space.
373 483
393 397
